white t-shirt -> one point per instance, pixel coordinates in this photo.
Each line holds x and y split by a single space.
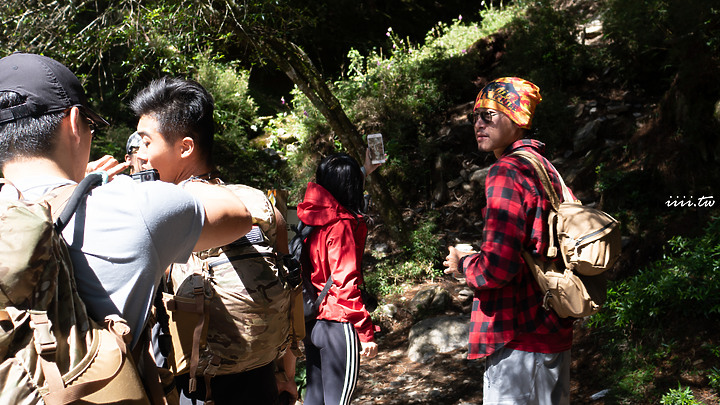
122 239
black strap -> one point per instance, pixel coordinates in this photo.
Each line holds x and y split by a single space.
254 237
88 183
14 113
296 243
324 292
305 231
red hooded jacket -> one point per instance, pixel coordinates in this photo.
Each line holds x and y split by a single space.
336 247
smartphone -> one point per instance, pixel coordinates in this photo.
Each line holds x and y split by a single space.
377 149
146 175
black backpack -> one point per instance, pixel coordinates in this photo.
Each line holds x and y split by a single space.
301 273
300 270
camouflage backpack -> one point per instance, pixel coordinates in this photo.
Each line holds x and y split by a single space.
51 351
230 308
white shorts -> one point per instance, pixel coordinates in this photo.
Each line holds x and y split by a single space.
514 377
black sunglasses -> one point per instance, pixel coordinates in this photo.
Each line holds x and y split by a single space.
92 124
485 115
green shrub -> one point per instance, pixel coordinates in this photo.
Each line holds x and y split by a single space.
239 160
650 40
637 46
683 284
419 262
402 92
235 110
543 47
425 245
111 141
679 396
714 378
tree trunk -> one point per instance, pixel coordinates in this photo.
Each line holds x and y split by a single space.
299 68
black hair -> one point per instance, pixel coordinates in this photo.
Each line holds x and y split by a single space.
183 108
341 175
28 136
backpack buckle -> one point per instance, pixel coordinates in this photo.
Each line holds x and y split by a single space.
45 343
546 300
212 366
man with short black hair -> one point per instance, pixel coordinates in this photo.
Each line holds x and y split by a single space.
177 127
526 347
125 233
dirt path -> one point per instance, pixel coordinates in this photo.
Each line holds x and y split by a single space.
449 378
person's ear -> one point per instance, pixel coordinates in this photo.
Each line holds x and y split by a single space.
187 146
76 119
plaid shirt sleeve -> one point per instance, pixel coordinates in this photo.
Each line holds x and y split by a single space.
499 259
507 298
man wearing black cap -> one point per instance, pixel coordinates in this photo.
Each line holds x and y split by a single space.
129 232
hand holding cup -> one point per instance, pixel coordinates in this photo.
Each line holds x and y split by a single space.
453 258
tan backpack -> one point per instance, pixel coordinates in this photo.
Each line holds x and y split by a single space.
52 352
588 240
230 308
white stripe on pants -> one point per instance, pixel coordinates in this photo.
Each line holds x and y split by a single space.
333 358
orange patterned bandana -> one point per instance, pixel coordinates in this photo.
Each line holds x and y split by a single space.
513 97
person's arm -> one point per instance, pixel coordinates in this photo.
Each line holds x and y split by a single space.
285 376
226 218
281 233
343 261
500 258
369 166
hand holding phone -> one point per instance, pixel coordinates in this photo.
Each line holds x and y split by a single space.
377 148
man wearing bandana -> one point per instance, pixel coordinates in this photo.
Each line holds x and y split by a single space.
526 347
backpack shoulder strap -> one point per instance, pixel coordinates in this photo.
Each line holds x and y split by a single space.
304 232
63 200
324 292
68 199
545 179
4 182
550 190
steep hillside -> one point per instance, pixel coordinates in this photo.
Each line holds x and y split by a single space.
626 154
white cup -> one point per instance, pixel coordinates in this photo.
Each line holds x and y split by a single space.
463 248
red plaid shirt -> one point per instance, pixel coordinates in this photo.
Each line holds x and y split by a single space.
507 307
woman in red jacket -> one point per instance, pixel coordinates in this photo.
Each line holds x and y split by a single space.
333 204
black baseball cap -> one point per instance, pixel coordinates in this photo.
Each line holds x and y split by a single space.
49 87
133 142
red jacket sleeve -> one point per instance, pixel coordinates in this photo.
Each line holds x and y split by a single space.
344 302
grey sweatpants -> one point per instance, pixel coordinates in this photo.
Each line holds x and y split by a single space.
333 357
515 377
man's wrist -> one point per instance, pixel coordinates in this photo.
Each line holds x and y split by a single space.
461 264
